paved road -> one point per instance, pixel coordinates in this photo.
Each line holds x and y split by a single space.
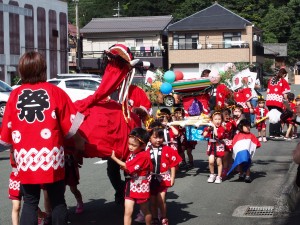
192 201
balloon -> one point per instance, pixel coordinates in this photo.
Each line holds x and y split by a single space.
169 76
178 75
214 76
166 88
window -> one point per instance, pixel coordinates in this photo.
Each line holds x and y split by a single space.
230 39
139 42
90 85
185 41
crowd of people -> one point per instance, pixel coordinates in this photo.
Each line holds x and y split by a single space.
157 150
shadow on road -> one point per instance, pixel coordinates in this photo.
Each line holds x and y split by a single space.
98 211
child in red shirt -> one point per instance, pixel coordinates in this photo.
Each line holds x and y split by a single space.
215 147
230 129
165 160
288 121
138 166
261 111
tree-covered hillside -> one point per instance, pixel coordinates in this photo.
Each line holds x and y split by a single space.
280 19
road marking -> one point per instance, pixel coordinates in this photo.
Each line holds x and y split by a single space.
101 162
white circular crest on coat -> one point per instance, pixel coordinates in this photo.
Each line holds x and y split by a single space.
136 167
164 165
45 133
53 114
16 136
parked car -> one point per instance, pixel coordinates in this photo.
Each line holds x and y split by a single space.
77 88
5 91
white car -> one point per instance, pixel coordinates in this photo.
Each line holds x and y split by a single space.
77 88
5 91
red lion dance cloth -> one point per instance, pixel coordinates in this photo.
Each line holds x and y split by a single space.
108 123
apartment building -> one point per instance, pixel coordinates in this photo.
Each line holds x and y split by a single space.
27 25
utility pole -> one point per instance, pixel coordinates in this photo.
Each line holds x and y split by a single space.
78 40
118 10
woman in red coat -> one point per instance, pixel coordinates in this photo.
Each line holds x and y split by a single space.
38 116
278 87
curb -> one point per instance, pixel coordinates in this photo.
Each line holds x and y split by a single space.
289 195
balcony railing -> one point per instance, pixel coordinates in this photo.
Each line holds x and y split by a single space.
223 45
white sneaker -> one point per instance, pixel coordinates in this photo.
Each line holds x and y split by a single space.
211 178
260 139
218 180
140 218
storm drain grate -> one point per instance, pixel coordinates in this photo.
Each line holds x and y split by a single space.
259 211
254 211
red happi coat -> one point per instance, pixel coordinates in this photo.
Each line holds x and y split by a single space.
275 92
228 134
222 93
242 96
260 112
170 139
168 158
14 181
138 98
37 119
220 146
139 166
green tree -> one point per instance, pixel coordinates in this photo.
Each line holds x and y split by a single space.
276 24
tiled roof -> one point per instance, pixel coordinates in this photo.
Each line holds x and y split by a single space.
127 24
279 49
215 17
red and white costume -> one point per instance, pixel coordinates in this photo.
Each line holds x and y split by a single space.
275 92
163 159
222 93
14 182
138 98
242 96
228 134
259 114
45 113
293 109
170 139
139 167
215 145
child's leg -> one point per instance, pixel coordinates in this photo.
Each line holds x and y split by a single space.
295 131
190 155
290 126
211 162
248 178
129 204
154 206
220 166
259 133
161 201
76 193
15 211
145 209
